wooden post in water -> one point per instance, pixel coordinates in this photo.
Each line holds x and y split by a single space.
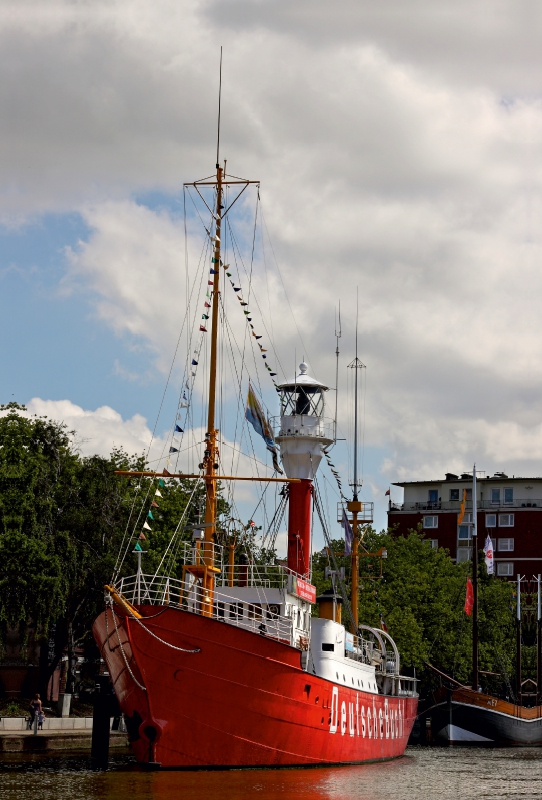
99 753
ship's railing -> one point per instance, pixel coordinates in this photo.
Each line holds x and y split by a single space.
262 618
269 576
365 515
360 649
303 425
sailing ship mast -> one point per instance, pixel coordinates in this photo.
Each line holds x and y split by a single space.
354 505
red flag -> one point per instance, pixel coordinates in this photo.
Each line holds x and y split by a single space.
387 493
469 598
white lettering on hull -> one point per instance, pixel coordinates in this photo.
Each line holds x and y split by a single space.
364 721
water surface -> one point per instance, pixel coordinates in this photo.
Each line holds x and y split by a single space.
423 774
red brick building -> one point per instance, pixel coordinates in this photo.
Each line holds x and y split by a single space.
509 510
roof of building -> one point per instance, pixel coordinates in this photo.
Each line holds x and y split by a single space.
497 478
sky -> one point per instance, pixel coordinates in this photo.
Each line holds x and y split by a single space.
398 149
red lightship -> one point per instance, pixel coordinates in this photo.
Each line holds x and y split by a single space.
225 666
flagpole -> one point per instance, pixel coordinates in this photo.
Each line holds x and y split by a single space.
518 641
475 678
539 644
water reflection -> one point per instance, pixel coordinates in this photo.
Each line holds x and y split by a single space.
425 773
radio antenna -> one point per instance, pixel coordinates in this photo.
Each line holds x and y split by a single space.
219 99
337 337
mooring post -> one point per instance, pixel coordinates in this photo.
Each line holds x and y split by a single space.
99 754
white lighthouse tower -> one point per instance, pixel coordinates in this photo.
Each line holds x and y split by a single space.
303 434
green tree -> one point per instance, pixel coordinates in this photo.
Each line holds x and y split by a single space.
420 598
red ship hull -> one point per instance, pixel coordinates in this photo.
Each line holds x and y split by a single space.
242 700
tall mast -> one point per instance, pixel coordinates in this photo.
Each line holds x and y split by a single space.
211 454
355 506
475 679
337 336
210 460
356 410
211 450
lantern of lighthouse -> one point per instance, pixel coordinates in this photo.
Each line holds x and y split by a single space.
302 437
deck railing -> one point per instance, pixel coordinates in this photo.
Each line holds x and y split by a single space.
261 618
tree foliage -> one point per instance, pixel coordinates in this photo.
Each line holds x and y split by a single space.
420 599
64 520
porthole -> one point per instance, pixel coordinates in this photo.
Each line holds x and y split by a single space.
344 679
337 674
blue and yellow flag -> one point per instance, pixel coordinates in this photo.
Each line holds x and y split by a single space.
256 417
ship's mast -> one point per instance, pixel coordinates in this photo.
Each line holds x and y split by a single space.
355 506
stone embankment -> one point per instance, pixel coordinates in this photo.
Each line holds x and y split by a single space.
58 734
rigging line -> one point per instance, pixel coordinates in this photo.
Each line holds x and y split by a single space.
346 601
185 511
117 564
282 281
234 246
231 335
246 455
266 278
364 395
207 230
274 519
262 316
273 539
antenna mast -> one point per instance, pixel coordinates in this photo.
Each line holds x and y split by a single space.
337 336
219 100
355 506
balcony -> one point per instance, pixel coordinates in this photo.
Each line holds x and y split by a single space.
454 505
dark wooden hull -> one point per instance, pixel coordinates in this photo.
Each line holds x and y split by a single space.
473 718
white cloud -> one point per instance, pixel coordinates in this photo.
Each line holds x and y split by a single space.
97 432
398 152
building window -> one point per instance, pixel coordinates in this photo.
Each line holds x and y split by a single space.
491 520
506 520
495 497
463 532
430 522
454 494
508 496
469 495
505 568
463 554
506 545
434 544
433 495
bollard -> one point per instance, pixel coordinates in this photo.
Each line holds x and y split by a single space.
99 753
